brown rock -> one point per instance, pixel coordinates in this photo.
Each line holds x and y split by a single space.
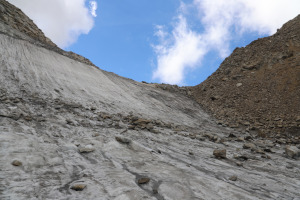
143 180
131 126
123 140
241 157
141 121
220 153
266 156
249 146
292 152
155 191
28 118
259 151
16 163
78 187
233 178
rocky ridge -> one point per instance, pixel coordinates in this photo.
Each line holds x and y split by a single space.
258 86
13 17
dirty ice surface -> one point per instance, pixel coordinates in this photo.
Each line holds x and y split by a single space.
71 131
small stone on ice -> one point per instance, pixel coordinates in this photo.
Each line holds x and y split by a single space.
143 180
78 187
123 140
16 163
220 153
292 151
233 178
87 149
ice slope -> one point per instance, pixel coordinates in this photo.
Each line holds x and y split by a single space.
51 75
60 119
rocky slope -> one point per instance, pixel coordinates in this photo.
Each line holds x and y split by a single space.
258 87
69 130
13 17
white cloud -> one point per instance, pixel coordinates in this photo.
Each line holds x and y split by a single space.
93 8
63 21
182 50
221 21
255 15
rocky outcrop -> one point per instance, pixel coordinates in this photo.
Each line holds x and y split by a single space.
15 18
258 87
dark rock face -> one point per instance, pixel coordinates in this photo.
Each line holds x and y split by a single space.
258 87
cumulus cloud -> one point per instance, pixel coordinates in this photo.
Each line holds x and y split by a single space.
176 52
220 21
63 21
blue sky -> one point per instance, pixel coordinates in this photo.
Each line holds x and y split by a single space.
121 40
171 41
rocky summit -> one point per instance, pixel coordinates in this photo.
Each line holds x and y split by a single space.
69 130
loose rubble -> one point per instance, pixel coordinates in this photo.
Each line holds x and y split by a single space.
249 90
